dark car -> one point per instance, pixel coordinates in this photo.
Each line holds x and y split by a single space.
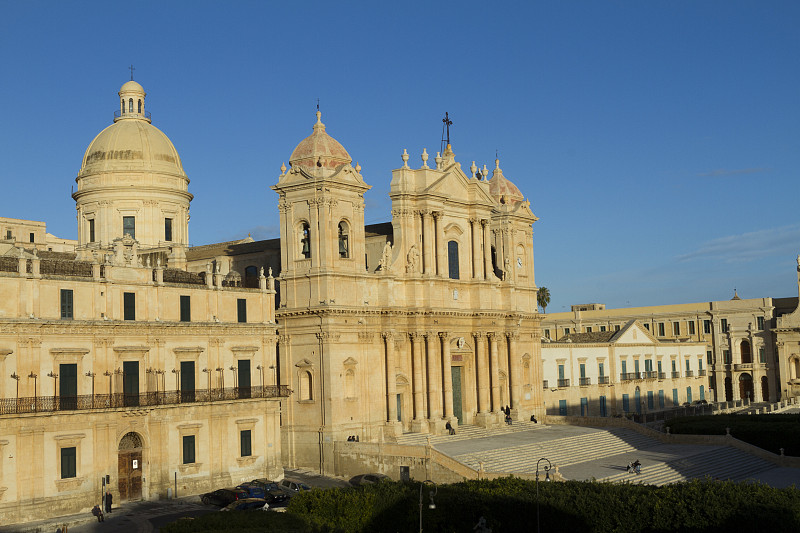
247 504
272 492
254 490
292 486
223 497
367 479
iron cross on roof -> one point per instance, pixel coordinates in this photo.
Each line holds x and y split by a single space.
131 68
447 124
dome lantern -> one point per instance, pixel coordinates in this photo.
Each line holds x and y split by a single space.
131 102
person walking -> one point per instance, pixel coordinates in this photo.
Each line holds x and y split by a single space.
109 500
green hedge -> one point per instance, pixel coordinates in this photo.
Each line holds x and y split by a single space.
509 505
770 432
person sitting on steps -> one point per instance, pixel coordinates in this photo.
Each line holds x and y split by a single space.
449 427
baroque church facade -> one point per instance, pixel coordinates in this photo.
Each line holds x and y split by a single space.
139 364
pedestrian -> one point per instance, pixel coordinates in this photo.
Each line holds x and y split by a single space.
449 427
96 511
533 419
109 500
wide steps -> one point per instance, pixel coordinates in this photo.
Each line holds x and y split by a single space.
465 432
562 452
719 463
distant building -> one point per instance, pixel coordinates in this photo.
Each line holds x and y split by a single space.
742 359
31 234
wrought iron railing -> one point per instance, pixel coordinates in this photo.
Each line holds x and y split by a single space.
676 375
602 380
650 374
585 381
544 384
563 383
119 400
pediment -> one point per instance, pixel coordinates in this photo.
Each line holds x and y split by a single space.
350 362
634 333
304 363
456 186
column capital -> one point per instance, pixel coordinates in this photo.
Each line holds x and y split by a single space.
444 335
388 335
512 335
492 335
478 334
416 336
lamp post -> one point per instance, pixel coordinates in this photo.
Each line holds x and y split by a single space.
208 372
274 374
431 505
546 478
35 381
55 385
261 370
15 377
222 381
91 374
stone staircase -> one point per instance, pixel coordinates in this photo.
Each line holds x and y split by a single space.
722 463
466 432
562 452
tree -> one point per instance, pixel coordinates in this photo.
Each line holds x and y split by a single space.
543 298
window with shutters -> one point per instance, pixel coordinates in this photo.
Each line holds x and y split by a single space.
188 449
66 304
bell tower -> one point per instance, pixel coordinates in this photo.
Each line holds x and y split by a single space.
321 205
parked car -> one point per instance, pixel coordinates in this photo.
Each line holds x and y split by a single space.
223 497
254 490
293 487
247 504
272 492
367 479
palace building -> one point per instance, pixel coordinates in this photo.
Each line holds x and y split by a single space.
136 360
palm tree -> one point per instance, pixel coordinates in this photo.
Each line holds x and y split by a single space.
543 298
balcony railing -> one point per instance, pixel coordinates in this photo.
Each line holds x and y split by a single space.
701 373
650 374
563 383
42 404
630 376
585 381
662 375
689 373
602 380
676 375
544 384
743 367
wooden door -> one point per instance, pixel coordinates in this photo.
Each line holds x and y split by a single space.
130 475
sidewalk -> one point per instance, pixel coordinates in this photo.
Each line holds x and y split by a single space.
121 513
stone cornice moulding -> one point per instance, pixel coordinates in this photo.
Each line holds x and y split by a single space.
69 439
247 421
69 351
248 349
5 352
190 427
131 349
188 350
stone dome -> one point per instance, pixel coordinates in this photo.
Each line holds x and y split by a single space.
131 86
319 150
131 144
502 189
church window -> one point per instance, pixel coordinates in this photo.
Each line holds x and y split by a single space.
305 240
305 385
186 308
251 277
168 229
452 259
241 310
129 226
91 230
140 107
129 306
130 105
344 245
66 304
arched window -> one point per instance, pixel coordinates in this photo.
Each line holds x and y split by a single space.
306 383
344 244
122 105
747 354
140 107
452 259
130 105
305 240
794 368
251 277
350 384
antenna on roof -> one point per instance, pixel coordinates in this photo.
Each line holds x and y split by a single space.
131 68
446 123
317 104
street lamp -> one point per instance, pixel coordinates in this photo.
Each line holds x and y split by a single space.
35 381
546 478
431 505
15 377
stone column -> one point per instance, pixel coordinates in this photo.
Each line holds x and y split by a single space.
427 243
441 247
434 384
481 372
495 371
487 250
391 379
515 371
416 349
447 375
477 262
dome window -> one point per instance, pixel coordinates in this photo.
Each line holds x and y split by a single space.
452 259
344 249
130 105
140 107
129 226
305 241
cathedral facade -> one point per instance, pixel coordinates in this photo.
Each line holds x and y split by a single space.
140 365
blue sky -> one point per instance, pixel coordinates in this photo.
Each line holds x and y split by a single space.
657 141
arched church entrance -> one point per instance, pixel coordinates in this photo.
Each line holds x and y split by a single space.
129 473
746 386
747 353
